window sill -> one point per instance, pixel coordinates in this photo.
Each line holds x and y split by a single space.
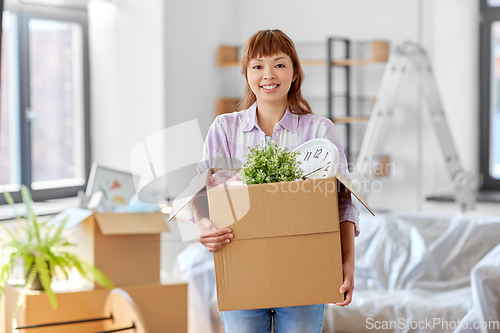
49 207
485 196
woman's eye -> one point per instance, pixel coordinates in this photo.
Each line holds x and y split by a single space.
256 67
280 66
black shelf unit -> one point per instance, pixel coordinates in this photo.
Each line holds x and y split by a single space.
346 63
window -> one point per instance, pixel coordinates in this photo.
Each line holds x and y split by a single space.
44 110
490 95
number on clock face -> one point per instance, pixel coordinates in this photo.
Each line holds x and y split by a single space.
319 158
315 161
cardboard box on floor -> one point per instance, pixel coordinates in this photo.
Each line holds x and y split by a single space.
124 246
286 247
163 308
71 306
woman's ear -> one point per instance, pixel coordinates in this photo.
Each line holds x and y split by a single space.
295 77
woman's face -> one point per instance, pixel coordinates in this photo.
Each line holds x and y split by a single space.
270 77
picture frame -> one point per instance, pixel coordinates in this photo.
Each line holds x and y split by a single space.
116 186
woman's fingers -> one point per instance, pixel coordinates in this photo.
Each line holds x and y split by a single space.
347 287
217 239
348 298
213 240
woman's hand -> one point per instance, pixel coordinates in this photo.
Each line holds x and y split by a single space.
212 238
348 287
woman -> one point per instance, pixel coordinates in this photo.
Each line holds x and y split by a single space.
273 109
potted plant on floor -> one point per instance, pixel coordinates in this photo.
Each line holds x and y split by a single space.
40 245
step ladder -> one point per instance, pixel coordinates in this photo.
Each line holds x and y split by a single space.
403 58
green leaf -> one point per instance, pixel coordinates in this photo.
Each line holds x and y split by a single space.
10 201
59 231
7 231
30 213
38 244
45 279
28 262
4 271
31 276
74 262
97 275
267 163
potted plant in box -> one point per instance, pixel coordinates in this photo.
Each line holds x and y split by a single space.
39 244
268 163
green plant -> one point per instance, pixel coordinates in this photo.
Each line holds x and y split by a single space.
39 244
268 163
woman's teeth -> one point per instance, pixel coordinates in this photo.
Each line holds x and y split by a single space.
270 87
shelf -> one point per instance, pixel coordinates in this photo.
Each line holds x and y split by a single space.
225 105
482 196
227 56
344 120
383 169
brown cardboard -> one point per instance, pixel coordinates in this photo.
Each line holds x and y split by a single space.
131 223
124 246
162 306
286 247
71 306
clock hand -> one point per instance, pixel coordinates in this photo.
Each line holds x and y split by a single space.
324 166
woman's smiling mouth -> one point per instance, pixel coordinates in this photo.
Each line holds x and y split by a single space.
270 88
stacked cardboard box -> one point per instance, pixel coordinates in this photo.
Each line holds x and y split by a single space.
126 248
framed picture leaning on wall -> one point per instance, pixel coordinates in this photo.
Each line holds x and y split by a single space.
116 186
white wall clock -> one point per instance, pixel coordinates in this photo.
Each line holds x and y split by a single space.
319 158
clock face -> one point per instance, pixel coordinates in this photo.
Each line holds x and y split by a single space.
319 158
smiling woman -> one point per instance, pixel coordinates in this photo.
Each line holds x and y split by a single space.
274 113
274 46
270 78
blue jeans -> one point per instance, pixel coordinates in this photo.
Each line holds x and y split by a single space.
293 319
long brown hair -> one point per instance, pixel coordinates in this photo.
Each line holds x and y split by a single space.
268 43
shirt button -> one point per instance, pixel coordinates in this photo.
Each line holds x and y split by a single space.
278 134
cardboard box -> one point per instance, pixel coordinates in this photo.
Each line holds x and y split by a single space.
286 247
162 306
71 306
124 246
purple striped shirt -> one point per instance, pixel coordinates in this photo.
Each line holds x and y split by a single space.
231 134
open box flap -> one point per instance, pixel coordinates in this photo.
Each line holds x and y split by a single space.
198 183
275 210
353 190
131 223
74 215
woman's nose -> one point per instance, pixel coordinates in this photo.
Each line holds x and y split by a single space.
269 74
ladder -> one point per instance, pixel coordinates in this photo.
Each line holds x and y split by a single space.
401 61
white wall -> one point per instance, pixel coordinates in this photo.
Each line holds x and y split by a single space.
193 30
153 66
127 80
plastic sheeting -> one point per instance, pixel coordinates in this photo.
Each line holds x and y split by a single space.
484 316
413 272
